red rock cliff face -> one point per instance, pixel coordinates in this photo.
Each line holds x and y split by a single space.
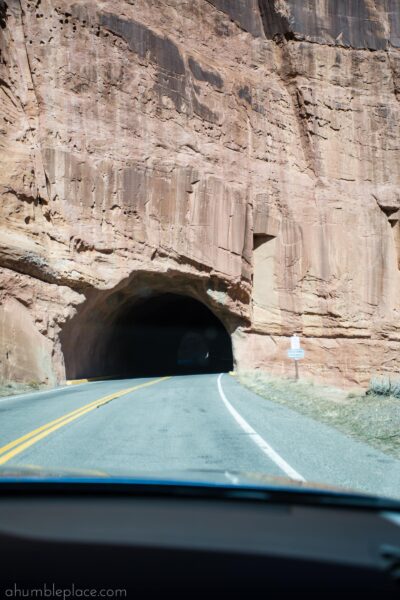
244 153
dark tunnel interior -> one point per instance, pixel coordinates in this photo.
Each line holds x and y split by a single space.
170 334
164 334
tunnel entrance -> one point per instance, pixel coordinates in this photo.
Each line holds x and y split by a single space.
171 334
166 334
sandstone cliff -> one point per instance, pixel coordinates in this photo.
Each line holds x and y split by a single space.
244 153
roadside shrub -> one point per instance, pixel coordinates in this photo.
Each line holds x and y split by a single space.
35 385
395 387
383 385
380 385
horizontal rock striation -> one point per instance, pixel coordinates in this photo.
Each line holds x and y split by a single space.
246 154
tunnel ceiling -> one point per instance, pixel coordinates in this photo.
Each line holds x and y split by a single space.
164 334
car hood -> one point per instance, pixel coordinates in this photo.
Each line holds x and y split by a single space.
207 483
188 477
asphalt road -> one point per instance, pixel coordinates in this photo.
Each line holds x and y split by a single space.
197 422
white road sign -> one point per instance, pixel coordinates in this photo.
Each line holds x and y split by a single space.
296 353
295 342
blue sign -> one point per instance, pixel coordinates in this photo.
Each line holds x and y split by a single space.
297 353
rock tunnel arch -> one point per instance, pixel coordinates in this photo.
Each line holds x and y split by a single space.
162 333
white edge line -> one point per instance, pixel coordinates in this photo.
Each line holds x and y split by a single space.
257 439
39 393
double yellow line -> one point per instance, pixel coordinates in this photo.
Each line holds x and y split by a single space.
29 439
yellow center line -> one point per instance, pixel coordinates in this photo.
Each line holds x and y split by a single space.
29 439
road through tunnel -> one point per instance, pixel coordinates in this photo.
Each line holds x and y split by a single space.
164 334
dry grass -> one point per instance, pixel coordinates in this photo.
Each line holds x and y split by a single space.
371 418
11 388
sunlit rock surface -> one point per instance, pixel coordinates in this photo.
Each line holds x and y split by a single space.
243 153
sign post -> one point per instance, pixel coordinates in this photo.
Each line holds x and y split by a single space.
296 353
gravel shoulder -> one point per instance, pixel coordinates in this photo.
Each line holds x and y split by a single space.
371 418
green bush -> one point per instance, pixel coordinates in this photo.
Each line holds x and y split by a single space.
380 385
384 385
395 387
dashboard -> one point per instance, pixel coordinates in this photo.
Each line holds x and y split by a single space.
151 542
